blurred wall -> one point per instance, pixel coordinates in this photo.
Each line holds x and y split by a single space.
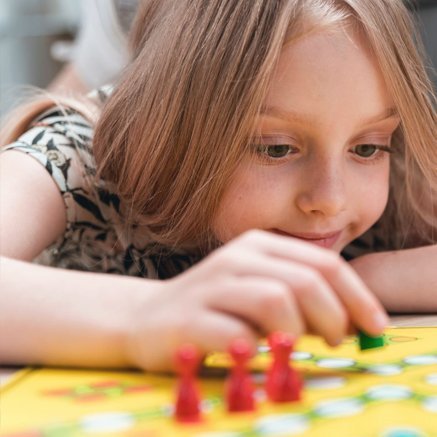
427 18
28 29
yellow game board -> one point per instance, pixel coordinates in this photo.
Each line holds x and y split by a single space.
390 392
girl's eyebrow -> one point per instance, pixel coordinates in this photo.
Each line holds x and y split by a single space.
384 115
309 119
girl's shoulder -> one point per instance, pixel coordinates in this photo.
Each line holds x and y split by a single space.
61 140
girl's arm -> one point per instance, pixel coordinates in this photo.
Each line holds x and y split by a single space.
403 280
49 315
32 212
59 317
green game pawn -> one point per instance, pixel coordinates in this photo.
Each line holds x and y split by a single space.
369 342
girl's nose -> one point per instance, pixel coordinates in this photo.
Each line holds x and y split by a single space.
323 191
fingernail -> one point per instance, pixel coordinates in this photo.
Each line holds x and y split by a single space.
380 321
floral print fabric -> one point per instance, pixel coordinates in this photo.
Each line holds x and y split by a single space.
62 142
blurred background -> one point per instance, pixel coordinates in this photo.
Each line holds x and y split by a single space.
37 38
427 18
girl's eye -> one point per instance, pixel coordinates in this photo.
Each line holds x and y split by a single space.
274 151
370 150
365 150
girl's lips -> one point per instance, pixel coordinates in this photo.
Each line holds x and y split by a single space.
327 239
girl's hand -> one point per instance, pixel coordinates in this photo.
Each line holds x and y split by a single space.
258 283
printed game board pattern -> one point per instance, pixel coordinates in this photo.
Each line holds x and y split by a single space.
342 388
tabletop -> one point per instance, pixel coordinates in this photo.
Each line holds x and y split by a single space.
395 320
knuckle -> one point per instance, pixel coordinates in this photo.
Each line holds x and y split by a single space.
250 235
331 264
238 331
221 258
275 299
309 280
226 257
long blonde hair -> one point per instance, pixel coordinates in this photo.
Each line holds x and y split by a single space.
181 117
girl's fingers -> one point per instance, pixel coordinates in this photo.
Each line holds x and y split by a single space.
298 294
324 313
264 303
365 310
319 305
362 306
208 330
215 331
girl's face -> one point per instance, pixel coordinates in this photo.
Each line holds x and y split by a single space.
320 167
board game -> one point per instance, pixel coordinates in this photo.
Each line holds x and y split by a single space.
386 392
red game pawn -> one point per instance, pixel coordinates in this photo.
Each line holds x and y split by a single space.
187 396
240 389
283 383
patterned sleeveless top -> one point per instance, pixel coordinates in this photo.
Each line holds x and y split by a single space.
61 141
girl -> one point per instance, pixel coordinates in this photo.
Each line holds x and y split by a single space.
258 137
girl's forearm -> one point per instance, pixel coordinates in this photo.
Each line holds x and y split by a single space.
61 317
403 280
